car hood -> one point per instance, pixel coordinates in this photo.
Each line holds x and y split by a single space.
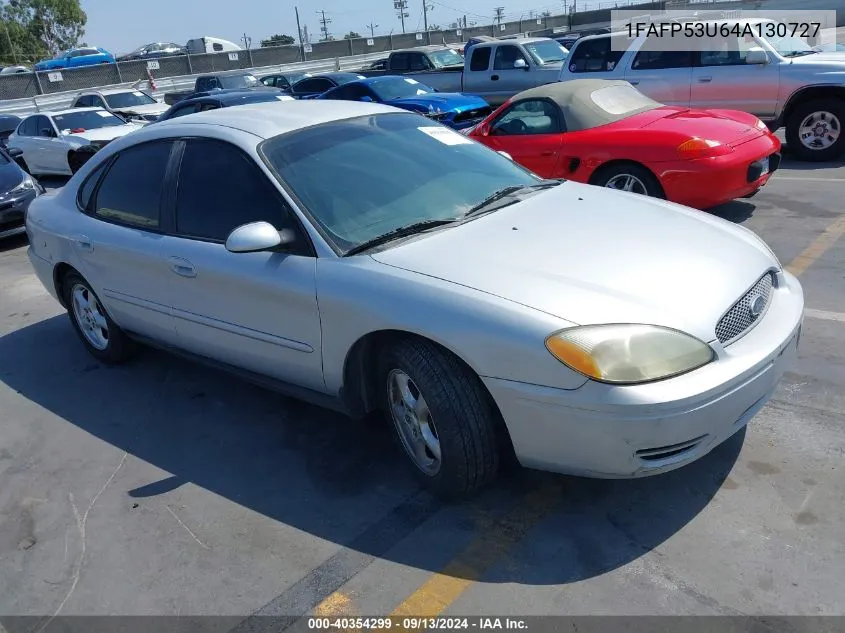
440 101
828 57
150 108
104 133
590 255
10 177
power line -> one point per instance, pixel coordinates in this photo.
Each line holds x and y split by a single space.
324 25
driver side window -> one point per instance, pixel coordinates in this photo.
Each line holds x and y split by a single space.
533 116
506 56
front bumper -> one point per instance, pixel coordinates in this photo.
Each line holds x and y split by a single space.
608 431
13 213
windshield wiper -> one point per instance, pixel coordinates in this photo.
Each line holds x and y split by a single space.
402 231
492 201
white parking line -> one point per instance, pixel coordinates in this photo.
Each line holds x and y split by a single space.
824 314
808 178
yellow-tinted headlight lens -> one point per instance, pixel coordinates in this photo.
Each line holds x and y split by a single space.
628 353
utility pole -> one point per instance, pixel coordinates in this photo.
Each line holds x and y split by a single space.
299 34
324 25
425 15
500 11
372 28
401 7
247 41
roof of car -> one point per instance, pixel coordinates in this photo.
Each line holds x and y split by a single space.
575 99
108 91
233 96
266 120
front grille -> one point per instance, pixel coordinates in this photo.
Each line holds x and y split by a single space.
746 312
469 115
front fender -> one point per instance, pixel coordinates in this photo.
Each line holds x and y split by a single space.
493 336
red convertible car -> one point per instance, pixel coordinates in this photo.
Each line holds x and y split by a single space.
608 133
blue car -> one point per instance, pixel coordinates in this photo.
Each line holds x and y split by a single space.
75 58
452 109
222 99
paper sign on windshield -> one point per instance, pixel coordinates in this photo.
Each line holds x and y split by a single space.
105 115
445 135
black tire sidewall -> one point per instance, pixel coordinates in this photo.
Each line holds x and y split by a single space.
652 185
797 148
456 477
119 347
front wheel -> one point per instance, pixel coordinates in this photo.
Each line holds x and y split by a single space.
442 417
629 177
100 335
814 130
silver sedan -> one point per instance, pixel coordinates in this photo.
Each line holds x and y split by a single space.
369 259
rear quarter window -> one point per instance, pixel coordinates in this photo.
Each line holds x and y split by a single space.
594 56
480 59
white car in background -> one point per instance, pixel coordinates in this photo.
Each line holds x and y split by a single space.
129 103
59 143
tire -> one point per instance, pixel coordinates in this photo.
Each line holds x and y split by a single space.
77 158
829 113
115 347
456 411
641 179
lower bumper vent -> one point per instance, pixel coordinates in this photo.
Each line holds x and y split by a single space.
672 450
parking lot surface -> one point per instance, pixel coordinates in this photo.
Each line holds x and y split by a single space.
162 487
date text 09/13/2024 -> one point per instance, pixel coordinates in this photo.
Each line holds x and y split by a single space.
415 623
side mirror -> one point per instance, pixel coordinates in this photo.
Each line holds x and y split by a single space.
520 63
15 152
756 56
257 236
506 155
366 99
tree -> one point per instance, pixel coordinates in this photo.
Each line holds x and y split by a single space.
352 35
37 27
278 40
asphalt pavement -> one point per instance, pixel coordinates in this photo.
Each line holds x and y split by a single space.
161 487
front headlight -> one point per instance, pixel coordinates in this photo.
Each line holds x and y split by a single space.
27 184
628 353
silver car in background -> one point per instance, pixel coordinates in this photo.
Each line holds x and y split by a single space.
367 258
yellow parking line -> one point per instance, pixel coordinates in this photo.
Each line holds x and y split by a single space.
441 589
818 247
337 604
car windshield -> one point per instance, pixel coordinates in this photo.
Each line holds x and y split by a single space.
546 52
87 120
387 171
62 55
238 81
791 46
446 58
129 99
399 87
622 99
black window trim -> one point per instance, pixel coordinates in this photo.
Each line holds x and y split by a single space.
561 120
304 246
98 172
161 229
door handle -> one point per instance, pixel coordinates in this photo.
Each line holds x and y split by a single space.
704 80
548 153
182 267
84 244
494 78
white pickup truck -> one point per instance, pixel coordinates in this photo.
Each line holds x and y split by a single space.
495 70
783 81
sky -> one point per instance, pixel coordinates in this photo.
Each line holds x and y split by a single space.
123 26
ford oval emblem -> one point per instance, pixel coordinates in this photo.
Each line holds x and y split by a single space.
756 305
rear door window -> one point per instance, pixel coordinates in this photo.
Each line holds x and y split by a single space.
594 56
480 59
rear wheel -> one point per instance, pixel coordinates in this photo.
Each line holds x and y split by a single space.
100 335
814 130
629 177
443 418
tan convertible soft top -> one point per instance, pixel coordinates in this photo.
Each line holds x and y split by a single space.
589 103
